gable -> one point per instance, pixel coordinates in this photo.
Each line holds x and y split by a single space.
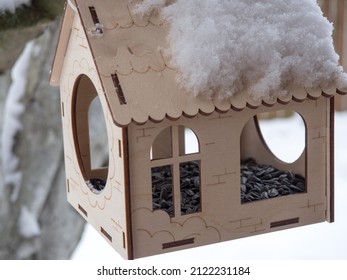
135 72
63 40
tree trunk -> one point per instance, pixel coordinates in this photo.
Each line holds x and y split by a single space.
36 222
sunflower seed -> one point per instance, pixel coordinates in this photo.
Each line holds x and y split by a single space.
265 181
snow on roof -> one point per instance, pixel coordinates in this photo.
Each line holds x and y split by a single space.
229 54
224 47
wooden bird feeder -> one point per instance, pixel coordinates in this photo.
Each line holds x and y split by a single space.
155 195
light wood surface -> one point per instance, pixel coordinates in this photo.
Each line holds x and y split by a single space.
146 112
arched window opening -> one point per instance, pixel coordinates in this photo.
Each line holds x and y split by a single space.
187 199
90 134
282 136
283 133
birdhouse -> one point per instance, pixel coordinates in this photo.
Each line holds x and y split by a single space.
158 193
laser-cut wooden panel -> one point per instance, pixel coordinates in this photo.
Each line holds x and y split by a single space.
140 99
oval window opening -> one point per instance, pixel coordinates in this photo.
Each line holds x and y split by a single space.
283 133
90 134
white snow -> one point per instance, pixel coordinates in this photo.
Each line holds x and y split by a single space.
148 6
11 5
28 224
222 47
322 241
13 111
277 134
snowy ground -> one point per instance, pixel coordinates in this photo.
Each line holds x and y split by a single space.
315 242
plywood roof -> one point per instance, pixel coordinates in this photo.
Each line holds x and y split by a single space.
134 68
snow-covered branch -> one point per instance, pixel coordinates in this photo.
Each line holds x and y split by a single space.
12 5
22 21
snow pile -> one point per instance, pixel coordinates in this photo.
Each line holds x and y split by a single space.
13 111
11 5
222 47
148 6
28 225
